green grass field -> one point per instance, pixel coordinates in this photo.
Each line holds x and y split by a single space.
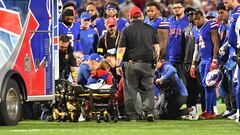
163 127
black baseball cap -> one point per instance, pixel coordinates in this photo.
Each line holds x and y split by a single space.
189 10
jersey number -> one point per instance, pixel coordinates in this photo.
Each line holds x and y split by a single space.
201 42
71 39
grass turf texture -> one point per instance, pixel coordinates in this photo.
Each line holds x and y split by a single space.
163 127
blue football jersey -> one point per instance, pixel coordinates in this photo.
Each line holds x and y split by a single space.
223 31
100 25
72 32
175 47
232 37
161 23
237 30
88 39
203 39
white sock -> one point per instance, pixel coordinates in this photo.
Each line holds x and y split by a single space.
237 113
215 110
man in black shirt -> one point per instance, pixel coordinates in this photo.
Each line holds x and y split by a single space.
108 42
138 47
67 61
192 84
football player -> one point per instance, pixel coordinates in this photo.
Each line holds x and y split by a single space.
70 28
111 10
207 45
159 23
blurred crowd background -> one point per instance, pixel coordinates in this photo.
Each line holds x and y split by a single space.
166 5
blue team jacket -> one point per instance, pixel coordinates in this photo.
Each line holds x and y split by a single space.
166 72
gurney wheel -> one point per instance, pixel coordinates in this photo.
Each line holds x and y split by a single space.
115 119
107 117
115 116
98 118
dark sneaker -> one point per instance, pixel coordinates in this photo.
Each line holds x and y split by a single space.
225 114
150 118
230 113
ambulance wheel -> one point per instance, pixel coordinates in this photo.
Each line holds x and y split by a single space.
10 112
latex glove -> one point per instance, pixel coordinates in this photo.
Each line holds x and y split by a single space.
193 71
214 64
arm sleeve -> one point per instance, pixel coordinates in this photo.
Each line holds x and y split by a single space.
86 72
165 24
78 47
214 25
95 37
72 58
196 53
184 44
170 72
156 76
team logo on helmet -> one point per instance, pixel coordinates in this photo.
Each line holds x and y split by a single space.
214 78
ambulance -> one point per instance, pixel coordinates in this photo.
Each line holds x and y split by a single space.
28 55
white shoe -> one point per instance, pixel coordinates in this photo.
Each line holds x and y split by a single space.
237 120
193 114
232 117
185 117
190 117
194 117
81 118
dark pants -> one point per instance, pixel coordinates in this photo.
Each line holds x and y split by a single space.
192 86
138 77
180 71
227 84
174 103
